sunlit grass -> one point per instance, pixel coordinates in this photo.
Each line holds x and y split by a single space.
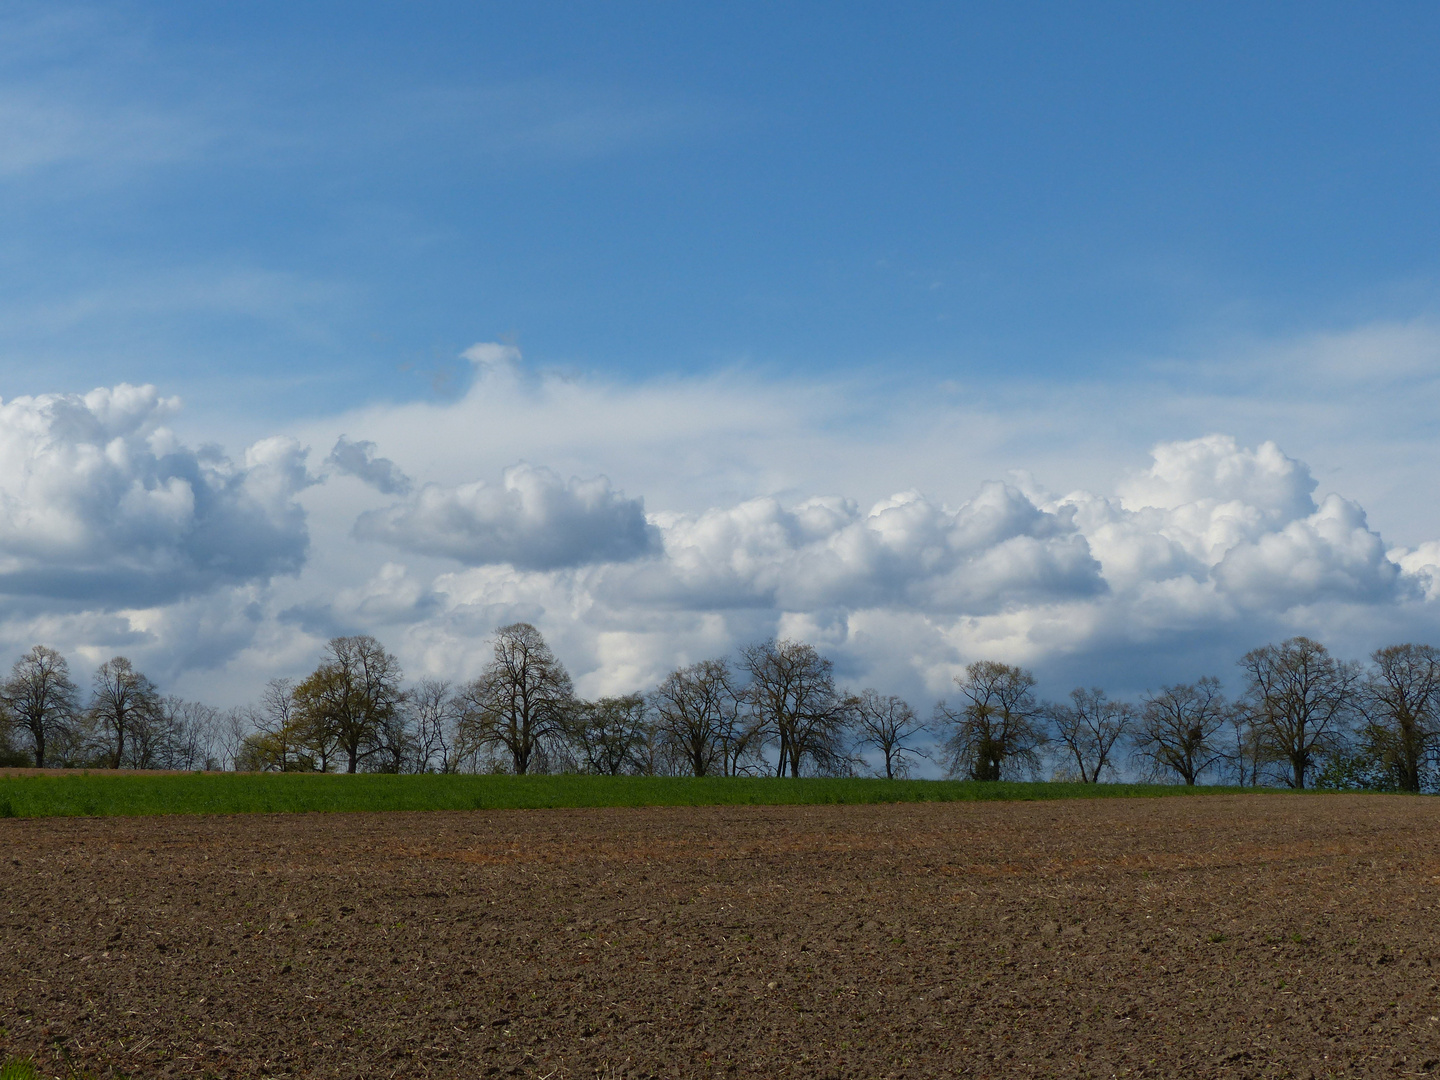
139 793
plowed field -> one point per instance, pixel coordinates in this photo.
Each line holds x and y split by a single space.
1219 936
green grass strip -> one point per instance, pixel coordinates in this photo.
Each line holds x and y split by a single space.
136 793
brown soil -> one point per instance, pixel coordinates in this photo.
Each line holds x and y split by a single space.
1217 936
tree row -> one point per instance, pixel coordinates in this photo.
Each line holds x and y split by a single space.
1303 718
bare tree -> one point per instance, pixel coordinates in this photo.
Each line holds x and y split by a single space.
40 698
395 750
888 724
607 734
278 743
436 714
1300 700
123 706
1178 728
10 757
521 702
184 736
1245 753
792 699
1090 728
698 712
998 726
235 729
146 739
652 752
742 743
1401 705
352 698
75 746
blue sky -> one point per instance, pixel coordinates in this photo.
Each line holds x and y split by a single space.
298 206
1043 332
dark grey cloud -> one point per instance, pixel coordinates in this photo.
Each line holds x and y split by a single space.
358 459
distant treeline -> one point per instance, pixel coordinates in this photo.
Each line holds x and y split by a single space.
1303 719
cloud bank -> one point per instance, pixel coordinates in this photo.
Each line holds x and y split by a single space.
651 525
1214 544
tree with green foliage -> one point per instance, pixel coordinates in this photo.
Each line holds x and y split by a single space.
278 742
350 699
607 734
10 756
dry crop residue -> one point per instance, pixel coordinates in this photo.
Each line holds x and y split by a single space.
1217 936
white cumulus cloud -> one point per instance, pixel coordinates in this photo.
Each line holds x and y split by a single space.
1243 523
100 504
995 550
534 519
